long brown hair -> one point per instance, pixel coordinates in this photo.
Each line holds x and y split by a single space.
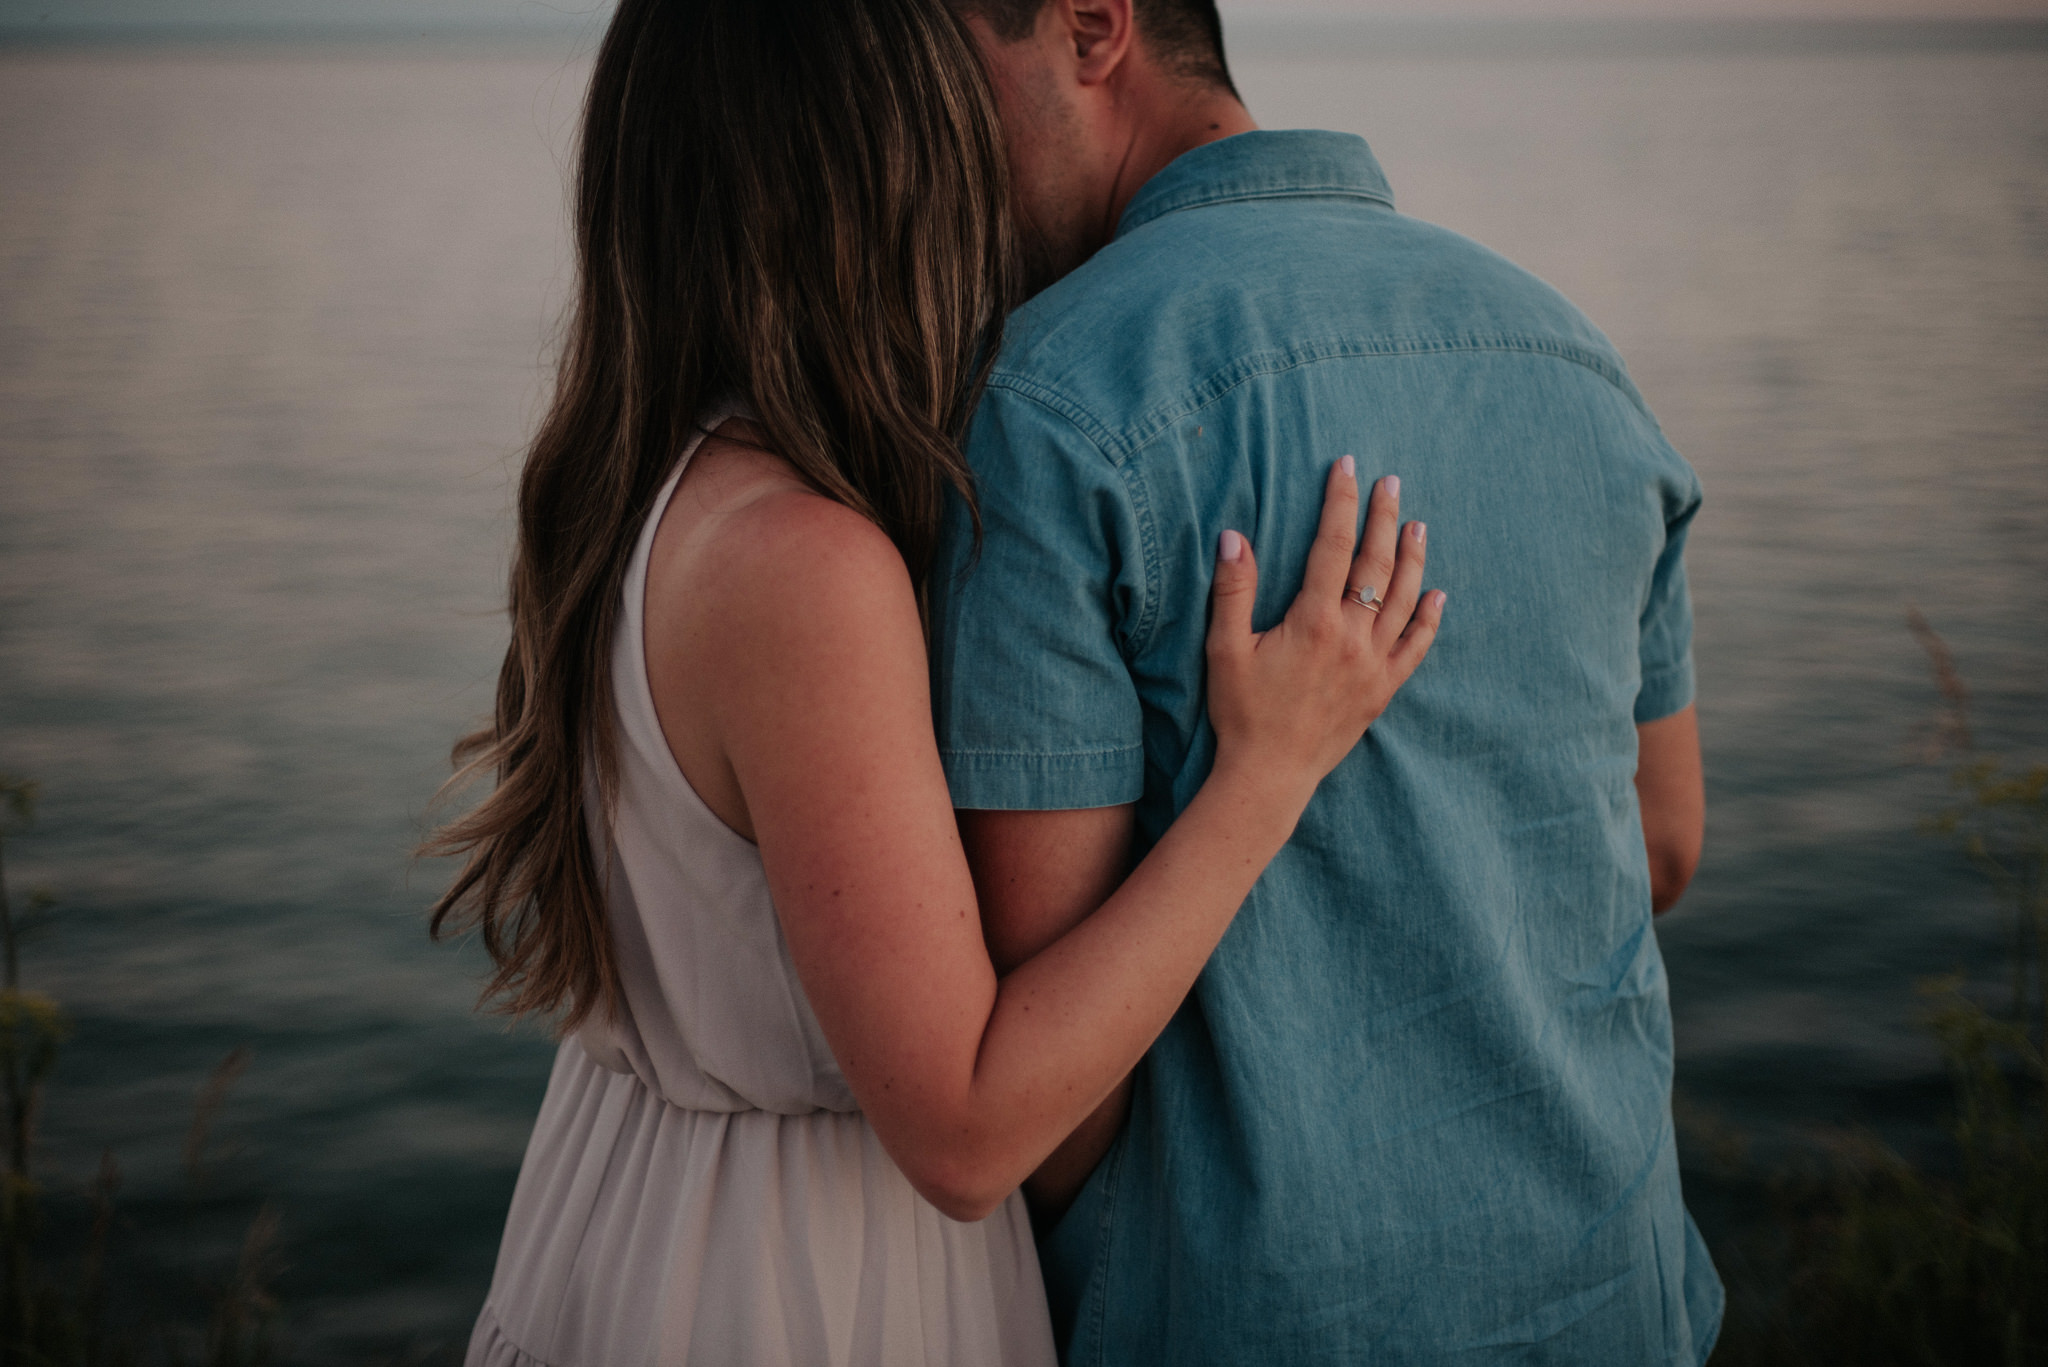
800 204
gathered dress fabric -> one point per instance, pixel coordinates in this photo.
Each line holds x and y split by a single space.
700 1187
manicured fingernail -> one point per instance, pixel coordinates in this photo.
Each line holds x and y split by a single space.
1350 467
1231 547
1440 598
1418 530
1392 484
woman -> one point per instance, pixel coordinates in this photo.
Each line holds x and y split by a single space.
794 1100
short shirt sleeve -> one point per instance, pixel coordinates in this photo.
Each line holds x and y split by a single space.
1666 635
1035 706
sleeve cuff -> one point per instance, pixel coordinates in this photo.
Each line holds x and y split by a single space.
1664 692
1014 781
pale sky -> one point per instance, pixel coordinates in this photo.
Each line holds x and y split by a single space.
1677 9
26 16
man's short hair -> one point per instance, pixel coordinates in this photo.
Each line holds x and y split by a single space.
1187 35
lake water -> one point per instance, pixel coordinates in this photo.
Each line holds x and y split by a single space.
273 324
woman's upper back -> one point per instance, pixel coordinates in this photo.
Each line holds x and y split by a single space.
712 1016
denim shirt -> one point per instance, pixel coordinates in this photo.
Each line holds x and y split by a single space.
1417 1107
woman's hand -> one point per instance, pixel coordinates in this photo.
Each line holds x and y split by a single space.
1290 702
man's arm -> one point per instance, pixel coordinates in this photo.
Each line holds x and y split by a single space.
1037 875
1671 787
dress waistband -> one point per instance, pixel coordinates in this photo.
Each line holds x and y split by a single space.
605 1053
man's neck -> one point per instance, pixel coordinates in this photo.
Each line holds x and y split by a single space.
1177 123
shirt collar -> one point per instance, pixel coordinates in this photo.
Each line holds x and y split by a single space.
1260 165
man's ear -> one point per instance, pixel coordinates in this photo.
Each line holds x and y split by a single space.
1098 34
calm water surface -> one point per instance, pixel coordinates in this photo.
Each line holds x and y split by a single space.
272 326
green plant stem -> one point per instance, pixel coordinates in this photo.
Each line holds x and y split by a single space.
18 1292
13 960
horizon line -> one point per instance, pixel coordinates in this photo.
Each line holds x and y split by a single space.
1277 33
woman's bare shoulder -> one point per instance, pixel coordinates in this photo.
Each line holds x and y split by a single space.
790 546
779 612
786 583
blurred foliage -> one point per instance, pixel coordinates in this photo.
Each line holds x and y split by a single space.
59 1314
1877 1261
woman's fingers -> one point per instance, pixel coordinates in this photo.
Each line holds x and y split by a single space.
1405 589
1231 595
1329 559
1420 635
1299 695
1373 569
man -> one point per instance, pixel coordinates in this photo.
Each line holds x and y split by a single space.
1417 1109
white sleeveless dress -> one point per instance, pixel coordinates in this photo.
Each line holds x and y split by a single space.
700 1187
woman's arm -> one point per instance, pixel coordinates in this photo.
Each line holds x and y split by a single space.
815 687
1037 875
